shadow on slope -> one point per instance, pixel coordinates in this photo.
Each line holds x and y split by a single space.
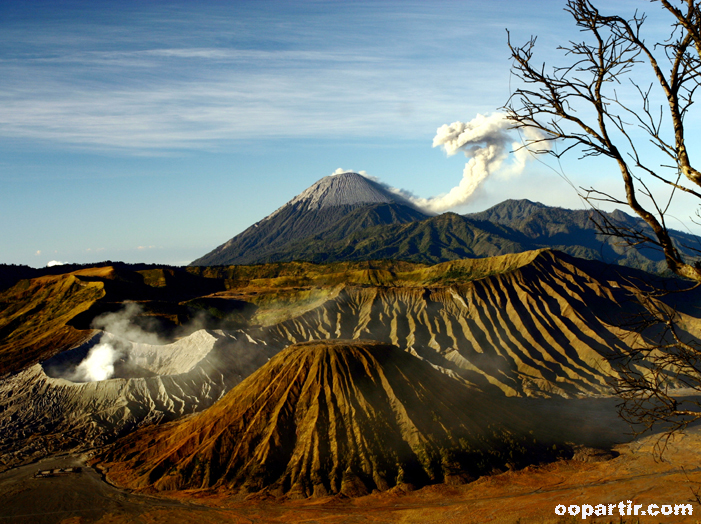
332 417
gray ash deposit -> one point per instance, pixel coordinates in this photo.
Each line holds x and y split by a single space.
63 409
107 356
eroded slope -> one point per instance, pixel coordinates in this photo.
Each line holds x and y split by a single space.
328 417
44 411
539 323
34 316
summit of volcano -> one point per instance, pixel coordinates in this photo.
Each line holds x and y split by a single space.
342 203
348 216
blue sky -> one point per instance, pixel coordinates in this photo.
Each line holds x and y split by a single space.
155 131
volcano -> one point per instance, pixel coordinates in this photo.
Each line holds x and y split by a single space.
335 205
349 217
327 417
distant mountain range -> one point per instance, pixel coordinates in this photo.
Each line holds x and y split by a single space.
350 217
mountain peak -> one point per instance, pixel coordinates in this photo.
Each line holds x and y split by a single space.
344 189
509 210
330 206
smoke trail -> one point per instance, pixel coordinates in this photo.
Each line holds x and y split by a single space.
486 141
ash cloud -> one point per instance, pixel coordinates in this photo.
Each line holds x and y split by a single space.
487 142
490 145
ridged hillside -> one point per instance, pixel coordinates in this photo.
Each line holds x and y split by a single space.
574 231
34 316
63 413
451 237
516 321
327 417
536 324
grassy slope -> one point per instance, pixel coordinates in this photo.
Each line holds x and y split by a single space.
510 227
293 223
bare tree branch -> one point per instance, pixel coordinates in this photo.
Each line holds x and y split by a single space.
550 104
578 105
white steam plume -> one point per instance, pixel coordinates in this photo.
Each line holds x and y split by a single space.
486 141
100 362
98 365
121 323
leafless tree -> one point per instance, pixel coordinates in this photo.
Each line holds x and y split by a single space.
663 357
582 106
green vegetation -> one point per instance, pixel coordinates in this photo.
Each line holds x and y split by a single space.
514 226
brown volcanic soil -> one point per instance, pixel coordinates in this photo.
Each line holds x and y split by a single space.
528 496
536 324
34 316
329 417
531 324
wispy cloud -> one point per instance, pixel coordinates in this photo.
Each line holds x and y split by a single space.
149 89
233 104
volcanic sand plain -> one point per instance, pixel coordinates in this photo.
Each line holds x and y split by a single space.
524 496
530 494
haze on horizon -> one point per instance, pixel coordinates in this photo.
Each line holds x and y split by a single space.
153 132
